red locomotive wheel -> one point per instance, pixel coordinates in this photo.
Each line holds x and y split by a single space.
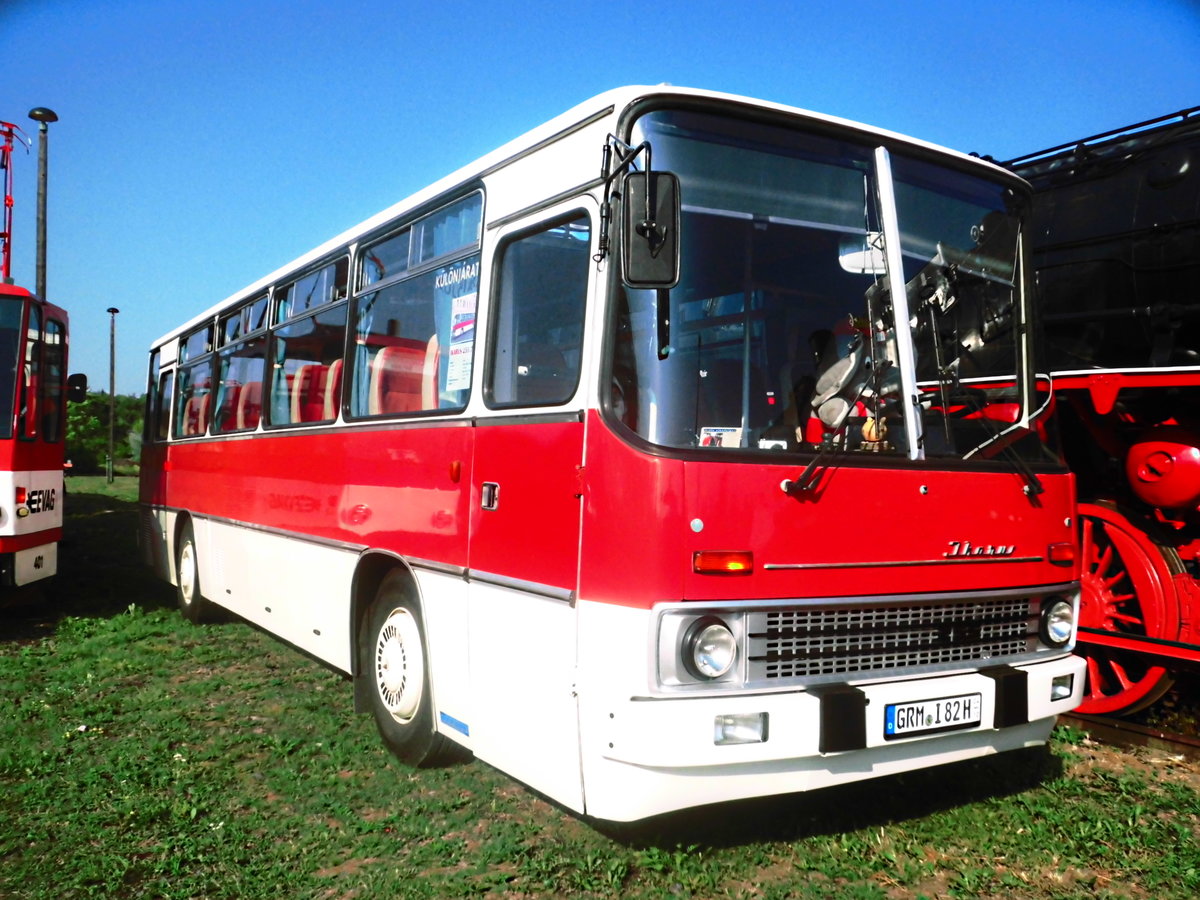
1127 587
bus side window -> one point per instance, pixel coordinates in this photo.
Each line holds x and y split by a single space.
192 401
305 353
239 388
537 331
401 364
166 389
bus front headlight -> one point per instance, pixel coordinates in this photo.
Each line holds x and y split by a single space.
1058 621
709 649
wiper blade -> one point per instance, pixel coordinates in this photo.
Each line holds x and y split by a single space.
811 476
1033 484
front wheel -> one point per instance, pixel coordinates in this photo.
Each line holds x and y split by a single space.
393 660
187 569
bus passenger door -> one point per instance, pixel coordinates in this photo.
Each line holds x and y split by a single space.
525 521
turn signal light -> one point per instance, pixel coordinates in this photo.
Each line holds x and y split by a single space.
1061 554
723 562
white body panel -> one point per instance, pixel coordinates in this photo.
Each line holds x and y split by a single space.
524 718
645 752
44 494
35 563
41 511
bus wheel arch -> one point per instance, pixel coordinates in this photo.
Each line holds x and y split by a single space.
392 662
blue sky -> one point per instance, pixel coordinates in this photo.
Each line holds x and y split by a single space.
203 143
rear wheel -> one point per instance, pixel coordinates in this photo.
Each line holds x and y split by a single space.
187 568
394 661
1127 588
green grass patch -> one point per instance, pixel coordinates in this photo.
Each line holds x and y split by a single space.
144 757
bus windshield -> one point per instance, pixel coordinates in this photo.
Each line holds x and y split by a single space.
10 355
782 334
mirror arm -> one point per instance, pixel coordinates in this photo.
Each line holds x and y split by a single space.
662 303
609 174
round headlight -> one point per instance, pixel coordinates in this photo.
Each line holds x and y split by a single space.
709 648
1058 622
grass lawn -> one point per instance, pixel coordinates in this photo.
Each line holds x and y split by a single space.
144 757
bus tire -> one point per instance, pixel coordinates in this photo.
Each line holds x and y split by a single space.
394 661
192 604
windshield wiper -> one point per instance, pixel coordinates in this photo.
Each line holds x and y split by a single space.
811 476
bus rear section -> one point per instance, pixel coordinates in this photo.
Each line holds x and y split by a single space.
33 358
725 474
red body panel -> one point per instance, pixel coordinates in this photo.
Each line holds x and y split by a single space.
863 532
402 488
533 532
416 491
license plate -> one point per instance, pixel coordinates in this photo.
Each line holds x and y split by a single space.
927 716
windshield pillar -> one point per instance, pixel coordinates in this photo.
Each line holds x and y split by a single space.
900 312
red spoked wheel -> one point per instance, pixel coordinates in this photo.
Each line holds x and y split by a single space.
1128 588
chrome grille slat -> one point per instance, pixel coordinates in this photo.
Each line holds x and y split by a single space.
810 643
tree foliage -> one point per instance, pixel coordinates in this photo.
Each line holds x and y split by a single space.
87 431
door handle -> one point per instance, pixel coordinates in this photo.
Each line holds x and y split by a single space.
490 495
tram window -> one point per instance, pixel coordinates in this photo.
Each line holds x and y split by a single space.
53 379
31 376
537 331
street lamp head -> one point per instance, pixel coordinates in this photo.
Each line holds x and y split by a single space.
43 115
112 310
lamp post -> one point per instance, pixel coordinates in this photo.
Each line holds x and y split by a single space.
112 388
43 117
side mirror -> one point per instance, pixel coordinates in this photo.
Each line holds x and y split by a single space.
76 387
650 230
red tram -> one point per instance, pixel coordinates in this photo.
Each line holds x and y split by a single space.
1116 246
33 387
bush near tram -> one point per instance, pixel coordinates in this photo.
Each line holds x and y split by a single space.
87 432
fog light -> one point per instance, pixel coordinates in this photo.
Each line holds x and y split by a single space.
1062 687
742 728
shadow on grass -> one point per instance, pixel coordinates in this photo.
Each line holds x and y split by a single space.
100 572
873 803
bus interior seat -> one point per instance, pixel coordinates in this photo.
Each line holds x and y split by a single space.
230 396
249 405
398 378
195 419
429 373
308 393
333 391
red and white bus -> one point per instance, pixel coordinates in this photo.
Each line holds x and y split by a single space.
33 388
604 459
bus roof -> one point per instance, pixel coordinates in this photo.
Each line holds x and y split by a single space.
602 106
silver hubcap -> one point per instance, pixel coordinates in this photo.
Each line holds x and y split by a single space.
399 665
187 573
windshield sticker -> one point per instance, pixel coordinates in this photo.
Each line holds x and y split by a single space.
715 436
462 342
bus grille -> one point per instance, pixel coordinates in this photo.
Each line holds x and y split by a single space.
813 642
